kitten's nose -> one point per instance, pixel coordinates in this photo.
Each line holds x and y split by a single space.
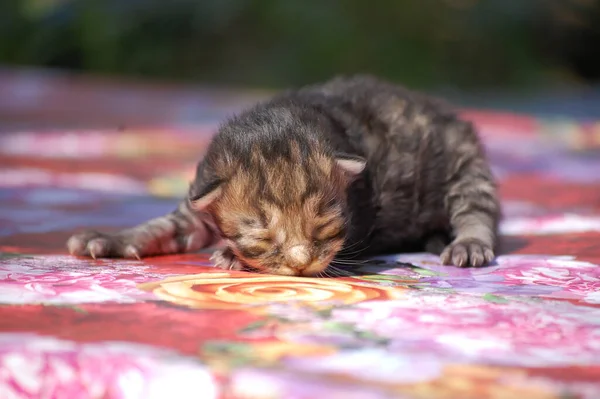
299 256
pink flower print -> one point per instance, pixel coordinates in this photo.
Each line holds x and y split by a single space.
35 367
573 279
71 282
470 328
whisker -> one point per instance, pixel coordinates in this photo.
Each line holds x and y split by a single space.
350 262
351 249
327 271
326 274
350 255
354 244
338 272
331 274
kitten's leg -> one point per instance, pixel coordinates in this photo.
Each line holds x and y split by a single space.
182 230
226 259
473 209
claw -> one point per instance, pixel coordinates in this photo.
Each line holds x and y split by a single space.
75 246
93 255
132 251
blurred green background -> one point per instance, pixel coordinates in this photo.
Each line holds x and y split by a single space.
463 44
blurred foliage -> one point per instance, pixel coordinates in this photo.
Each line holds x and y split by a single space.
424 43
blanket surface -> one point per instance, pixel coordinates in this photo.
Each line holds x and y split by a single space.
400 326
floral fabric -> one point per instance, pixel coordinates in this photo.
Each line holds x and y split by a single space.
399 326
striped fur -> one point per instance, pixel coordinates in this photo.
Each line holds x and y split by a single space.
352 167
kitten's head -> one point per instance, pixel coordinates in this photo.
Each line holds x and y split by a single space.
284 214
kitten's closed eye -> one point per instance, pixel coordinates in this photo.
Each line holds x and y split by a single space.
254 251
252 229
329 231
249 222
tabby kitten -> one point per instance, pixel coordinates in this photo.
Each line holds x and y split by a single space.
352 167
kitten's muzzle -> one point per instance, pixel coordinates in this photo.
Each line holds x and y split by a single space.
298 257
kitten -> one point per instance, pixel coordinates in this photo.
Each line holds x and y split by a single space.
353 167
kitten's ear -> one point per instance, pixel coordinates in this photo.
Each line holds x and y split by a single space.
203 194
353 165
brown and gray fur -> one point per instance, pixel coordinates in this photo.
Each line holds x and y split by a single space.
353 167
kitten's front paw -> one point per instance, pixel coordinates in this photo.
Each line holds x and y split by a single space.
101 245
467 252
225 259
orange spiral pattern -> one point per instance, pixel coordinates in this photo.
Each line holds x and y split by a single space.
225 290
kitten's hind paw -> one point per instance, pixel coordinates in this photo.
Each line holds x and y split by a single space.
467 252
